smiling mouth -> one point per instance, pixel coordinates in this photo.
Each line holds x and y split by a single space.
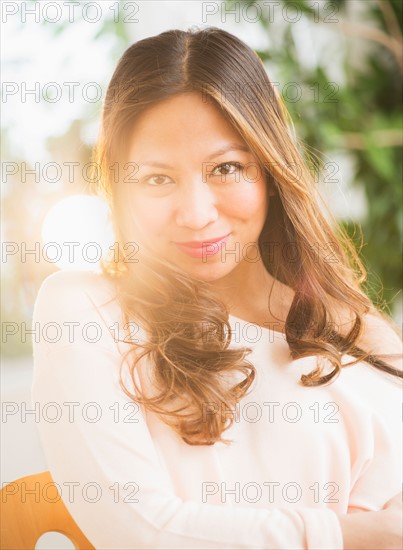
201 249
204 242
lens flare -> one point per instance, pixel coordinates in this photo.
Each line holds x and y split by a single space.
77 232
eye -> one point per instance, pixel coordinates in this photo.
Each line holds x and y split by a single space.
155 180
226 169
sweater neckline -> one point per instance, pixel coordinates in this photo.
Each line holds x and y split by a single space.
264 331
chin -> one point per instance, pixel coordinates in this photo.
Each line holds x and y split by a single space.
208 272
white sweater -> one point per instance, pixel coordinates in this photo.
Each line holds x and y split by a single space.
299 454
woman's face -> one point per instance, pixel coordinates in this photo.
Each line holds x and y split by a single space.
190 187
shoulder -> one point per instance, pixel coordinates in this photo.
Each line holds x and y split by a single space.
71 284
86 304
73 291
380 335
378 391
76 302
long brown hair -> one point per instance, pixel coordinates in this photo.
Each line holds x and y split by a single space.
173 307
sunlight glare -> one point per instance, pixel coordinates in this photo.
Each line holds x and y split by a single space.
77 232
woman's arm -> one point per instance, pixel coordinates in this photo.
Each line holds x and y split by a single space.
381 530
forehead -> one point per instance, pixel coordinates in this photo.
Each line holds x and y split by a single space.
186 122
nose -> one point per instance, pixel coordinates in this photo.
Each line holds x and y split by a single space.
196 205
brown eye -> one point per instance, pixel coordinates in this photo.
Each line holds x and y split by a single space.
227 169
156 180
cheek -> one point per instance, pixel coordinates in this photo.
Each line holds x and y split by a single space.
148 220
249 201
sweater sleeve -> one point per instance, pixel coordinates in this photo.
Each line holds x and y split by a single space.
379 478
101 454
379 396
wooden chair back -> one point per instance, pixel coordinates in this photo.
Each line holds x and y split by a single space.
30 507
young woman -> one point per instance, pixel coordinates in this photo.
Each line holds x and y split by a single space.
223 382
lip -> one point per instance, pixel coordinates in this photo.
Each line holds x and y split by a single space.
197 244
200 249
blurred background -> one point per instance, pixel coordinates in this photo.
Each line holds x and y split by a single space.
337 65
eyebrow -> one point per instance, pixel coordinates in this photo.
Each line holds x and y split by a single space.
220 152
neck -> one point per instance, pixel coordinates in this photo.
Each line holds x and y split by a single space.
251 293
